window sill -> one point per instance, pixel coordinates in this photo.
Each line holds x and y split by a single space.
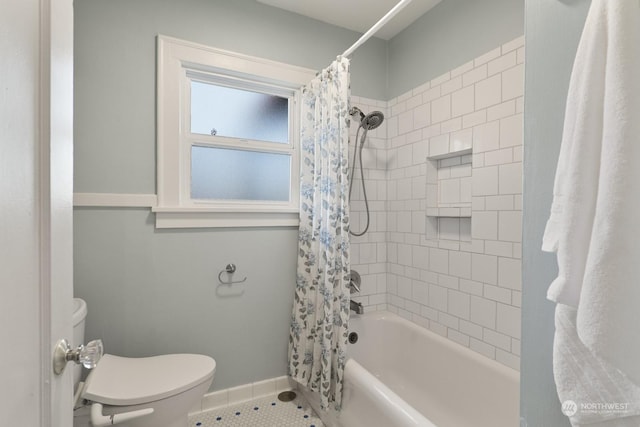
207 218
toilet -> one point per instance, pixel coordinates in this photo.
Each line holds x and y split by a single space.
143 392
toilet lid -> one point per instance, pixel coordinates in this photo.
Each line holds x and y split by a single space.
131 381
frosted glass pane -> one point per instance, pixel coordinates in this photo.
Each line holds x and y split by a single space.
227 174
238 113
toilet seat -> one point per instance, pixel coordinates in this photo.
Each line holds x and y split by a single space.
124 381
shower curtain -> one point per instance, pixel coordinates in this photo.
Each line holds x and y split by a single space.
318 336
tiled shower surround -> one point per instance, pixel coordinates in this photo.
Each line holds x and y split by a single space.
444 180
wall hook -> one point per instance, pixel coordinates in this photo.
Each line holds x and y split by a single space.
229 269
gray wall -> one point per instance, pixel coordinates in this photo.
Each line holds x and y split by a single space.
153 291
447 36
553 29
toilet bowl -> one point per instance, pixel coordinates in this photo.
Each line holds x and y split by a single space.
147 391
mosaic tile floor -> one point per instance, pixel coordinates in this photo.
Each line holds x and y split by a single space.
262 412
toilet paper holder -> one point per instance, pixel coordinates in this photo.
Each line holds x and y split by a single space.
229 269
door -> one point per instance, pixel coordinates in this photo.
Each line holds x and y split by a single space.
36 188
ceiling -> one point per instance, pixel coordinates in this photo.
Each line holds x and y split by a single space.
357 15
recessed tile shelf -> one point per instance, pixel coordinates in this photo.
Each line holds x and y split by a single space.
462 212
449 184
450 154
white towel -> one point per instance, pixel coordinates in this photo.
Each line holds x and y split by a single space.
602 394
595 217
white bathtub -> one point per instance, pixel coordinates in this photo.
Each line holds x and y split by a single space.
402 375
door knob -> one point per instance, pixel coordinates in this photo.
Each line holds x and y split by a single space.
88 356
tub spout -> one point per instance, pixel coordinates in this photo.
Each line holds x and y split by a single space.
357 307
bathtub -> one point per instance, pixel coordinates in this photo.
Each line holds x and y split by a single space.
401 375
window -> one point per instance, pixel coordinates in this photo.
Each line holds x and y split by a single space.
227 138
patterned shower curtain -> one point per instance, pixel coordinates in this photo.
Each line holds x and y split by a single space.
318 338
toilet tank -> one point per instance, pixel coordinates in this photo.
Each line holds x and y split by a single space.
79 315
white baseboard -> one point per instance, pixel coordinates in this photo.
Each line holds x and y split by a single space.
231 396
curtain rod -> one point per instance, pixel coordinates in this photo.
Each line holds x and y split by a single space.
386 18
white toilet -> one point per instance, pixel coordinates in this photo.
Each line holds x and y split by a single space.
144 392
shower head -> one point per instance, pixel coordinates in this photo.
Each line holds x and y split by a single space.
369 121
372 120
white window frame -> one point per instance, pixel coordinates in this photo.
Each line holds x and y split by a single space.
181 61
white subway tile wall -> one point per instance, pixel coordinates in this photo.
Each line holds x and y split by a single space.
457 276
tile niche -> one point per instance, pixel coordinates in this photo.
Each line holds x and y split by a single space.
449 184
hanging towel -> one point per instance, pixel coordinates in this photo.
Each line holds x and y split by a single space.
595 217
602 394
